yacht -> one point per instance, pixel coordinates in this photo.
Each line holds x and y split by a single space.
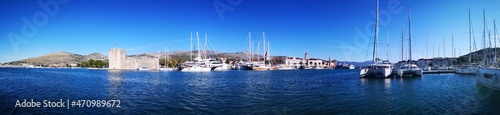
466 69
470 68
318 67
376 69
285 67
196 68
166 68
143 68
488 73
263 67
409 68
351 67
199 64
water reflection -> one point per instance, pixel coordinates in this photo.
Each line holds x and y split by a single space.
115 81
115 87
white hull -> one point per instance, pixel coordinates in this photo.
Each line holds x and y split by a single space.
380 72
488 77
143 68
412 72
196 69
166 69
264 68
318 68
222 68
466 70
286 68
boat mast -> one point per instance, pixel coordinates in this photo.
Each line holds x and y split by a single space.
484 37
268 52
258 51
166 57
205 52
402 41
264 46
387 44
470 45
198 41
495 38
250 46
191 48
444 51
452 46
409 31
427 48
489 39
376 35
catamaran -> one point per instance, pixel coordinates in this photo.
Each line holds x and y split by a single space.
469 68
409 68
488 72
376 69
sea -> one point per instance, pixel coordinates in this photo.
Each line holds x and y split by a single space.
327 91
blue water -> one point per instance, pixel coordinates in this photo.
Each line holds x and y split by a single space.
246 92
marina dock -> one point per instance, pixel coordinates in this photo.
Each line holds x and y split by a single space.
438 71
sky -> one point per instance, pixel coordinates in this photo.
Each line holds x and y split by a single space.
336 29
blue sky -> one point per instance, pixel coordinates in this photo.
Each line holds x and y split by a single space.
340 29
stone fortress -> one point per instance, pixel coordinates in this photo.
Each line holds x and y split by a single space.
118 60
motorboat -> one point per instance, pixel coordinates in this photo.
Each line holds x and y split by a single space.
143 68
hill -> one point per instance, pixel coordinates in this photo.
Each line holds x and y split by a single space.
52 58
60 58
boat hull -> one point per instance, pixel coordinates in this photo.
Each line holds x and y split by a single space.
379 72
196 69
410 72
264 68
466 70
488 77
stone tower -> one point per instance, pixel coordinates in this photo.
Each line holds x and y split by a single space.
116 58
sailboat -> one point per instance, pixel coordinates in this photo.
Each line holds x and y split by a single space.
165 68
376 69
409 68
488 72
266 63
198 65
469 68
